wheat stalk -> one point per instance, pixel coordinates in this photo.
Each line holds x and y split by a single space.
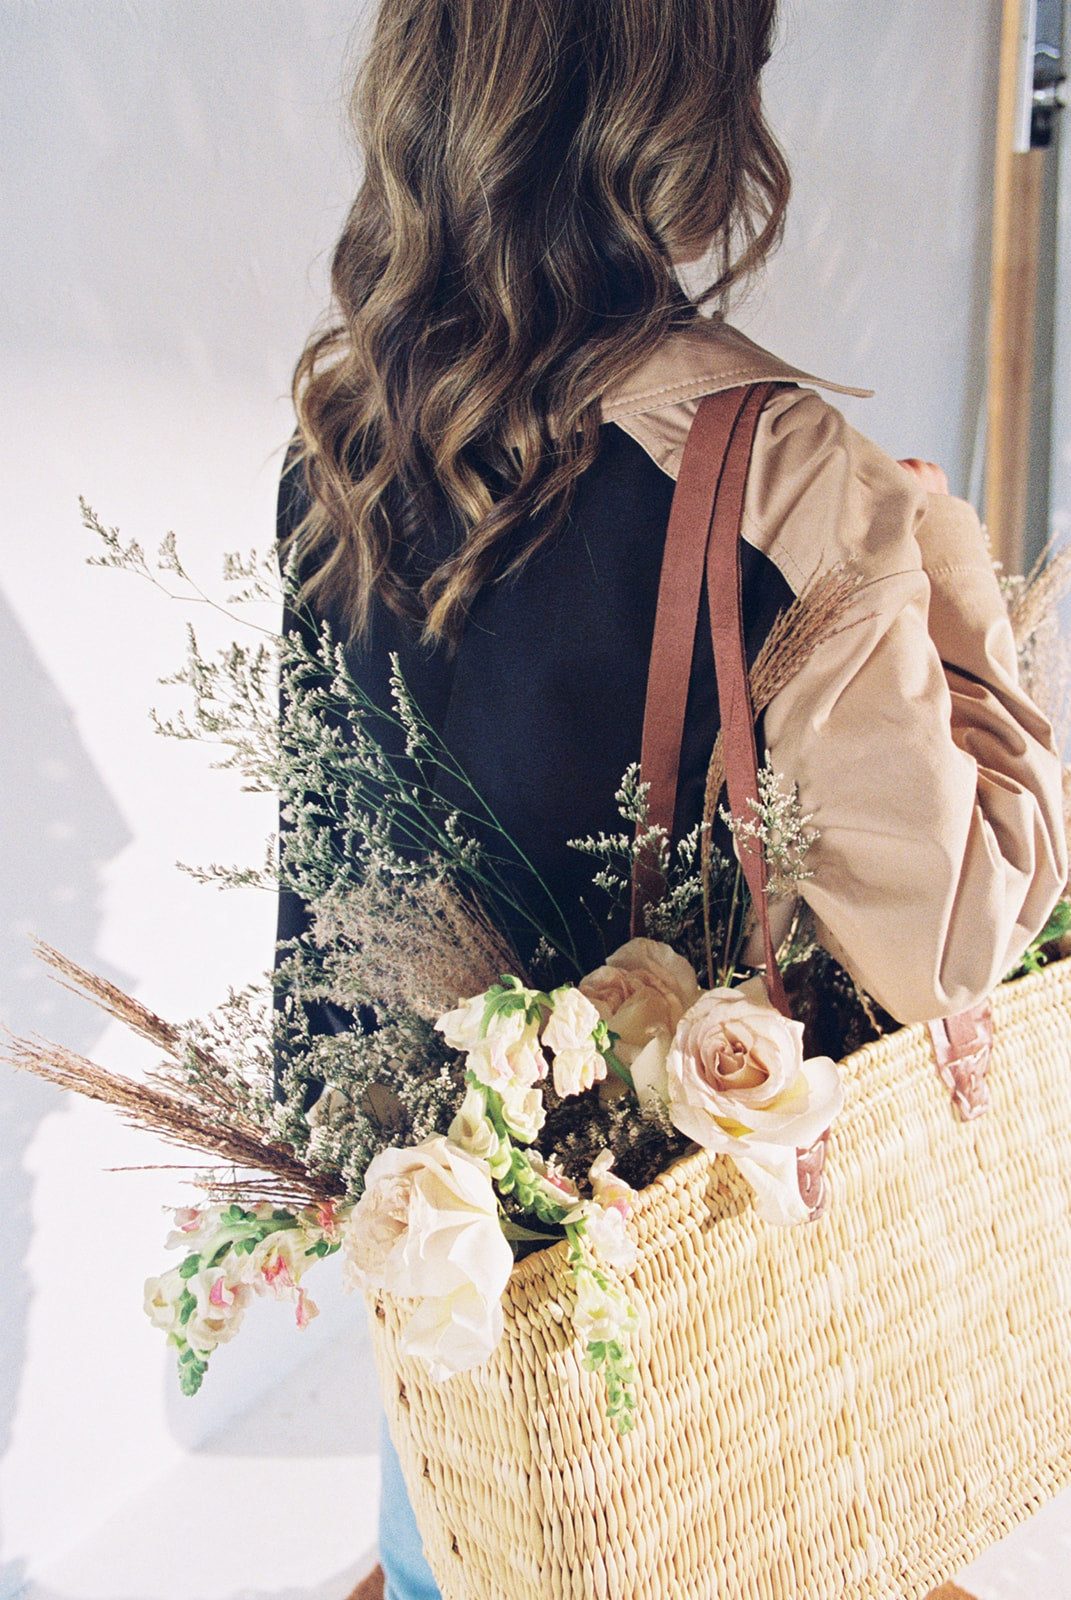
815 616
184 1114
168 1115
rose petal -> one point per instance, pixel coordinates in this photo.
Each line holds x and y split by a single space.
771 1171
453 1333
649 1070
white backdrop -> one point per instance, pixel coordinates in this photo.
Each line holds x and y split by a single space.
174 174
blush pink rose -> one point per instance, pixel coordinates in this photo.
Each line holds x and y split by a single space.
736 1067
735 1080
642 993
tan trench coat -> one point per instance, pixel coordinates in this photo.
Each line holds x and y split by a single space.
933 781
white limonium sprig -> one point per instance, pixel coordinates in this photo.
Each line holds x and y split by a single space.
780 828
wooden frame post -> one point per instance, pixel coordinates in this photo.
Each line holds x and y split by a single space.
1018 175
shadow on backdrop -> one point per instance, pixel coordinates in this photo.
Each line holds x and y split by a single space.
336 1588
58 827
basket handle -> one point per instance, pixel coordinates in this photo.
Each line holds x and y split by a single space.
703 535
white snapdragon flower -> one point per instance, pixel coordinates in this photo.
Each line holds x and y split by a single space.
522 1111
569 1036
500 1049
608 1232
471 1128
162 1296
607 1188
602 1313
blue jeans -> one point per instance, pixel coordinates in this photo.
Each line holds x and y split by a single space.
401 1554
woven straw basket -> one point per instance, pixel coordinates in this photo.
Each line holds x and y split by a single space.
855 1407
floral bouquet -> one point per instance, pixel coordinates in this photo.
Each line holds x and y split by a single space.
477 1107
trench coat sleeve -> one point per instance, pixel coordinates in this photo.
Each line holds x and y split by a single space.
933 781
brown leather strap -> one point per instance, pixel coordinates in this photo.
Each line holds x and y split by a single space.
730 664
676 618
703 532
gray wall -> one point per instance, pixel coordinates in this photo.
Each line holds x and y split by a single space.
884 112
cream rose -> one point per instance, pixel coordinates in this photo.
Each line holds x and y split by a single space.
427 1227
641 993
736 1081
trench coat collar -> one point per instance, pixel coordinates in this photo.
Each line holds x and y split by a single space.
655 403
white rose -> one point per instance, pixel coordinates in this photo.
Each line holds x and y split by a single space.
522 1111
427 1227
642 993
454 1332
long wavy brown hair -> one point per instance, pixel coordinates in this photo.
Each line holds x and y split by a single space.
532 169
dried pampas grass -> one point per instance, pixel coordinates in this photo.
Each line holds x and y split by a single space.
418 944
1040 636
1043 645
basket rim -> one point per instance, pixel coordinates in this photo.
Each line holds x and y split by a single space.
689 1166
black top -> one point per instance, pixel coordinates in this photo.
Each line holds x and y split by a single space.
542 700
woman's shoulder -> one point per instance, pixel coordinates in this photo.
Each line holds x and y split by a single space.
819 493
656 402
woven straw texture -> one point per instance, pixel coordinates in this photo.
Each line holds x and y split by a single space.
855 1407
